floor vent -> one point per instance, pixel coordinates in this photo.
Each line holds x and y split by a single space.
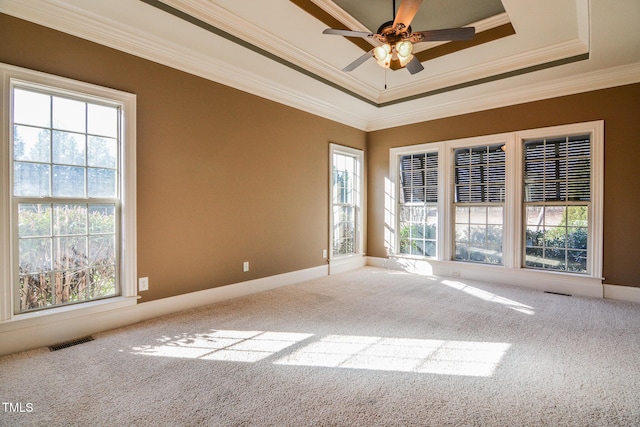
71 343
557 293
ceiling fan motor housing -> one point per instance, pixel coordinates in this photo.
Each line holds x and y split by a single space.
391 34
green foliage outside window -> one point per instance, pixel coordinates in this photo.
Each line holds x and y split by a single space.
418 239
562 247
67 254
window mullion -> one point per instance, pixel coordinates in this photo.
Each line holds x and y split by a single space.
512 207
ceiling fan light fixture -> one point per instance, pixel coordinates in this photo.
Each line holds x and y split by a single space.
403 50
405 60
383 55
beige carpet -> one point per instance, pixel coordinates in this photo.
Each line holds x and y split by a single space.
365 348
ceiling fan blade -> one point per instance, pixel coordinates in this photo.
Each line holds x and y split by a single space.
406 12
450 34
414 66
361 60
348 33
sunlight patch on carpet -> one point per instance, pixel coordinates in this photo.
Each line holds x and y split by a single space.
443 357
478 359
232 346
490 297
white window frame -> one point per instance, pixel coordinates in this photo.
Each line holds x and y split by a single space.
358 155
445 264
396 154
10 76
595 224
456 204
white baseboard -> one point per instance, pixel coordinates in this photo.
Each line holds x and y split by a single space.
33 333
624 293
571 284
161 307
340 265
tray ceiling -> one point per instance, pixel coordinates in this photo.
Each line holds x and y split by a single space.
524 50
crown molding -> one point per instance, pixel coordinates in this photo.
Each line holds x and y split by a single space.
586 82
212 14
497 67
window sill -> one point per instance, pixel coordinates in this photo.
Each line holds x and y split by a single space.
345 256
52 315
571 283
465 265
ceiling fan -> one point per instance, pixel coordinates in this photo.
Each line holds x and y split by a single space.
397 39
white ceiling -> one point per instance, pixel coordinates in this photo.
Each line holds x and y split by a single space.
276 50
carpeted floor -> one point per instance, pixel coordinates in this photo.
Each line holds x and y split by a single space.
366 348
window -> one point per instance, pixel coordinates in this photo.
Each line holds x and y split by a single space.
527 202
418 204
557 201
479 203
68 154
346 201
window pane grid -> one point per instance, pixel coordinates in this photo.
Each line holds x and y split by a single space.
343 230
67 253
556 237
479 232
65 190
418 226
52 161
418 207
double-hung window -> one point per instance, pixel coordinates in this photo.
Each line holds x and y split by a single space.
479 190
418 204
346 201
557 202
65 201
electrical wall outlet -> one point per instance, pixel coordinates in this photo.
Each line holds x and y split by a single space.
455 273
143 284
245 266
324 253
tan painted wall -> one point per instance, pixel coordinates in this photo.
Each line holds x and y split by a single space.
618 107
223 176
